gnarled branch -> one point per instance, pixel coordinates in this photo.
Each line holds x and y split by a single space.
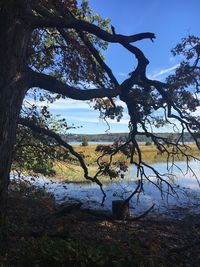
70 22
53 85
81 25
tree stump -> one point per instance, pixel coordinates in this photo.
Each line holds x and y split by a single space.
120 209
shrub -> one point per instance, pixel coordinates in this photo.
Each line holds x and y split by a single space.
148 143
85 141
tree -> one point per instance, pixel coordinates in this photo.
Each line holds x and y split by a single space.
55 46
85 141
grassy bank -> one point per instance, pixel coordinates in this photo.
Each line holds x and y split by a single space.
71 171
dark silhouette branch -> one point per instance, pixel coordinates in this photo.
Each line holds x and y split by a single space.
137 190
53 85
142 215
30 124
81 25
98 58
70 22
95 54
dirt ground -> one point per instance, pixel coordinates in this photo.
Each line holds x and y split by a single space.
176 242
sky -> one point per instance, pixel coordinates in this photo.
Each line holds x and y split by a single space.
170 20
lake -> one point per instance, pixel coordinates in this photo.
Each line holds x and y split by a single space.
186 199
91 143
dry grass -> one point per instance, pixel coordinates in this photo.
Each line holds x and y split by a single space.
72 172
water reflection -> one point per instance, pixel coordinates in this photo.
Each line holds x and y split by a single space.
187 189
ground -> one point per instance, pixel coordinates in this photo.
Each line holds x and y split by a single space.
40 233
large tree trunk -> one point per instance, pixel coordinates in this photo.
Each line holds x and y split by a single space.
14 36
10 104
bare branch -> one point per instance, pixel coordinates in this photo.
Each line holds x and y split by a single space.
142 215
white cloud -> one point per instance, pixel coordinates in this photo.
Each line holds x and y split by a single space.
68 104
118 102
98 120
163 72
123 74
63 104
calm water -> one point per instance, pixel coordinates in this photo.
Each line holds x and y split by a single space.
187 197
92 143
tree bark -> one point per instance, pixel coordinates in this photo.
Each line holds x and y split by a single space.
14 37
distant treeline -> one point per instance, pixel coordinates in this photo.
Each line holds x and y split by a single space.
112 137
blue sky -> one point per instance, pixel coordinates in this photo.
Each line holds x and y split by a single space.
169 20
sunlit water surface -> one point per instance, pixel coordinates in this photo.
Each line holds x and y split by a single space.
185 200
